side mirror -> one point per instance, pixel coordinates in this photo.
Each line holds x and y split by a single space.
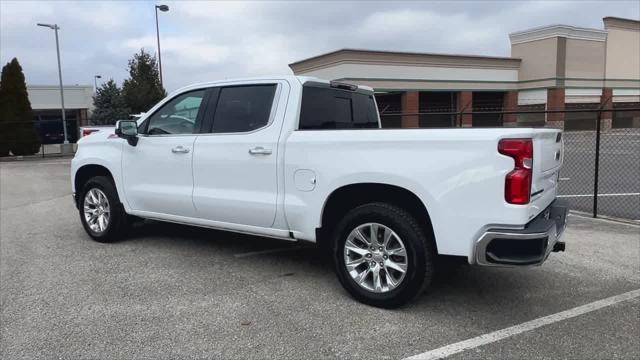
128 129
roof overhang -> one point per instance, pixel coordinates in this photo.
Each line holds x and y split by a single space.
402 58
621 23
551 31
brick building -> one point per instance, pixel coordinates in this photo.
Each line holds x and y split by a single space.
552 67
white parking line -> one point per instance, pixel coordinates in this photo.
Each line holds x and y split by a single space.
591 195
268 251
524 327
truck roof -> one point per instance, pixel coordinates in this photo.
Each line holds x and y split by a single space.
291 78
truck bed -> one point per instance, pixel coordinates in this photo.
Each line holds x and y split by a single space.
457 173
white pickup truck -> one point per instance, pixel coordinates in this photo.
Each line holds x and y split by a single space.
299 158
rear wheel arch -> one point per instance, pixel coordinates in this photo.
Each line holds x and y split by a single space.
348 197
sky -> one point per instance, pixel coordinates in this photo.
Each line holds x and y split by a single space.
213 40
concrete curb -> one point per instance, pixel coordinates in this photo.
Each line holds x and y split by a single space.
612 219
34 157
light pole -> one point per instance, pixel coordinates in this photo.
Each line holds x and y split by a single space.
55 27
95 82
163 8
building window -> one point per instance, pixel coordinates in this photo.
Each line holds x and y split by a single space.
438 109
487 101
536 118
581 120
626 119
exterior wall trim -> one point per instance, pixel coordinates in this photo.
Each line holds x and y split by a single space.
427 80
358 56
397 63
569 83
551 31
383 90
47 97
621 23
494 81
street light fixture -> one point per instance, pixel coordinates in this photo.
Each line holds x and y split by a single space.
163 8
55 27
95 82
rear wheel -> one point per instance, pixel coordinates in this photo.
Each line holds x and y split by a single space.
382 255
101 212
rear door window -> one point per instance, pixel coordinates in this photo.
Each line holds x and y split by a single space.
329 108
243 108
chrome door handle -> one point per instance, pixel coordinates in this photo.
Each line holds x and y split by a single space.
259 150
180 150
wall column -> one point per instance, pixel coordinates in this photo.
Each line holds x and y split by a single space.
82 117
510 103
555 101
410 104
606 103
465 103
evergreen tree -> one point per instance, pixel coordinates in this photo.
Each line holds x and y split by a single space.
18 132
4 128
142 90
109 105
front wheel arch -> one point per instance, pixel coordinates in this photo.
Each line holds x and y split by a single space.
85 173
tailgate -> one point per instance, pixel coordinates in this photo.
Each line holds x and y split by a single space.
548 154
549 150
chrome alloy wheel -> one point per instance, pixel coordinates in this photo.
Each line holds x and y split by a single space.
96 209
375 257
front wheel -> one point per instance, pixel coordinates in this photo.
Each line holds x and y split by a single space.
101 212
382 255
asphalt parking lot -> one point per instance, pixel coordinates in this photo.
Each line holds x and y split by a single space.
170 291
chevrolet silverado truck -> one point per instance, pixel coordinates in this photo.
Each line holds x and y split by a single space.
302 159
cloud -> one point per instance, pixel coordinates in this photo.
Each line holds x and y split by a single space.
14 16
189 51
208 40
267 55
407 22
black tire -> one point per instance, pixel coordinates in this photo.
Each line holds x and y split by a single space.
419 246
118 218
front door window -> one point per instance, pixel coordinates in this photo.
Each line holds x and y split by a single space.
178 116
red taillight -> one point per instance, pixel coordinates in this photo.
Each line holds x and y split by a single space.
517 186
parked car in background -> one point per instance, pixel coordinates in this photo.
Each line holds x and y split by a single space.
52 132
90 129
298 158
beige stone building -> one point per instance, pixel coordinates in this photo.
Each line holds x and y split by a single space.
554 67
47 114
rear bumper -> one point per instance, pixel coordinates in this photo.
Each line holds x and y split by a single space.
529 246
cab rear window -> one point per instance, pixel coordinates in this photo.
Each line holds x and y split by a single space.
324 108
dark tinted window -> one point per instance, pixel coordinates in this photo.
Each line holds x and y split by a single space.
243 108
328 108
178 116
